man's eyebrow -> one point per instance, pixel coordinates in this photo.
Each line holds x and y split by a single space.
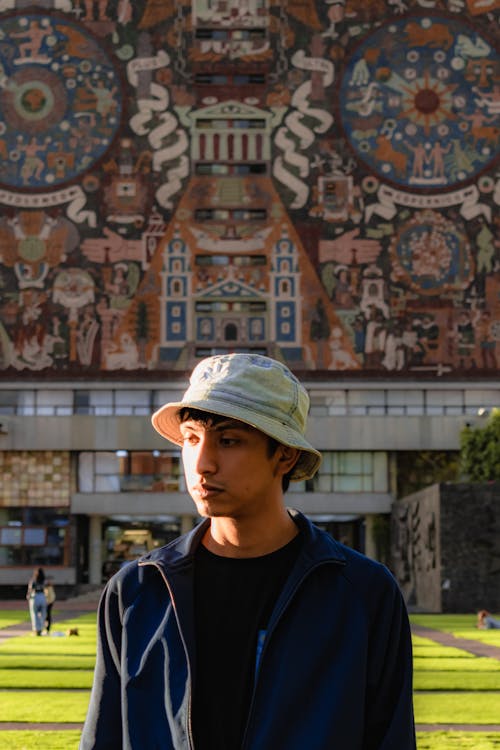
225 424
232 424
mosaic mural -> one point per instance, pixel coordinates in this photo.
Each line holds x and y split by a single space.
315 181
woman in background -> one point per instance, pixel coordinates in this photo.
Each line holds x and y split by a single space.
37 600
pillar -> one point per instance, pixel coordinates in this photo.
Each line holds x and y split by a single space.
95 550
370 546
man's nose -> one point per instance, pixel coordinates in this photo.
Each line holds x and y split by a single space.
206 458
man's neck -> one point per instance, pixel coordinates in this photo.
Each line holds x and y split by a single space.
229 537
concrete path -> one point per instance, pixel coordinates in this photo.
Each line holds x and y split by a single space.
62 610
458 728
478 648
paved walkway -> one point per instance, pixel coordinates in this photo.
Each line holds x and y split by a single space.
466 644
62 610
477 648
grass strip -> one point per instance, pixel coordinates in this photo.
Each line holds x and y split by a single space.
456 664
13 617
461 626
46 661
44 706
29 645
458 740
457 707
55 679
434 680
427 647
39 740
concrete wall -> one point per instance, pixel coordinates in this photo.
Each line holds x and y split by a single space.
76 432
416 548
446 547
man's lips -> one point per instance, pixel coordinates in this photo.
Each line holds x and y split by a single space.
204 490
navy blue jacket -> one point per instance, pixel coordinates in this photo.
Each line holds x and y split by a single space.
335 671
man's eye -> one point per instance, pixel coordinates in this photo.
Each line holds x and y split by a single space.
226 441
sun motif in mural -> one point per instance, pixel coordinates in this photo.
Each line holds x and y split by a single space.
427 101
418 102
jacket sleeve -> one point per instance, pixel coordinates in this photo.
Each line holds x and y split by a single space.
102 729
389 710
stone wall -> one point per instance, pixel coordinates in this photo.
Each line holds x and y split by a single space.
446 547
415 543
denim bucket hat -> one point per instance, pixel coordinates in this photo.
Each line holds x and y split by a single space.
254 389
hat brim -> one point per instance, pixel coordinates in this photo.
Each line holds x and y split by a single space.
166 422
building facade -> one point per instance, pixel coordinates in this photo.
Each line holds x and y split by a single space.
313 181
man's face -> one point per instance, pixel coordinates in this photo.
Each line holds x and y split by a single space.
229 470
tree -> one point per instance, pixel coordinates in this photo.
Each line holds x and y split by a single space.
419 469
480 450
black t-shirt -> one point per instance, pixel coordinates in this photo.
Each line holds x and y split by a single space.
234 599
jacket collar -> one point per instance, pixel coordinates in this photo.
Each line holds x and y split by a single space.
318 545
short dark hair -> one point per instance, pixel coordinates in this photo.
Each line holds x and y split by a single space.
204 417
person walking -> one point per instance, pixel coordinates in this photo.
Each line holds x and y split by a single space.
50 596
37 601
256 630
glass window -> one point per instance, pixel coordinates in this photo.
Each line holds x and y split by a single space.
8 402
102 402
86 472
351 471
130 471
106 463
26 402
54 402
35 536
132 402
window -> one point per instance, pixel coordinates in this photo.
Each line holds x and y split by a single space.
99 403
225 34
225 214
239 261
351 471
129 471
209 168
8 402
35 536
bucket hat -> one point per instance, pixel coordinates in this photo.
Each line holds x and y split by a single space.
254 389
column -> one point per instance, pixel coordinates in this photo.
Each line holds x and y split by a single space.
370 546
95 550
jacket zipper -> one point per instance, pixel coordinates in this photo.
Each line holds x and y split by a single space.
170 592
269 634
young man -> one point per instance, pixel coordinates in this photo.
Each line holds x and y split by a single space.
255 631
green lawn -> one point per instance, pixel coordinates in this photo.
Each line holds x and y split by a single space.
43 706
55 679
462 626
39 740
457 707
458 741
13 617
48 680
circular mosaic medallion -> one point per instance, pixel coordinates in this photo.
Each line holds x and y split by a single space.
60 101
431 255
419 102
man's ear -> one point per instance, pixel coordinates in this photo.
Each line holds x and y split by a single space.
288 457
